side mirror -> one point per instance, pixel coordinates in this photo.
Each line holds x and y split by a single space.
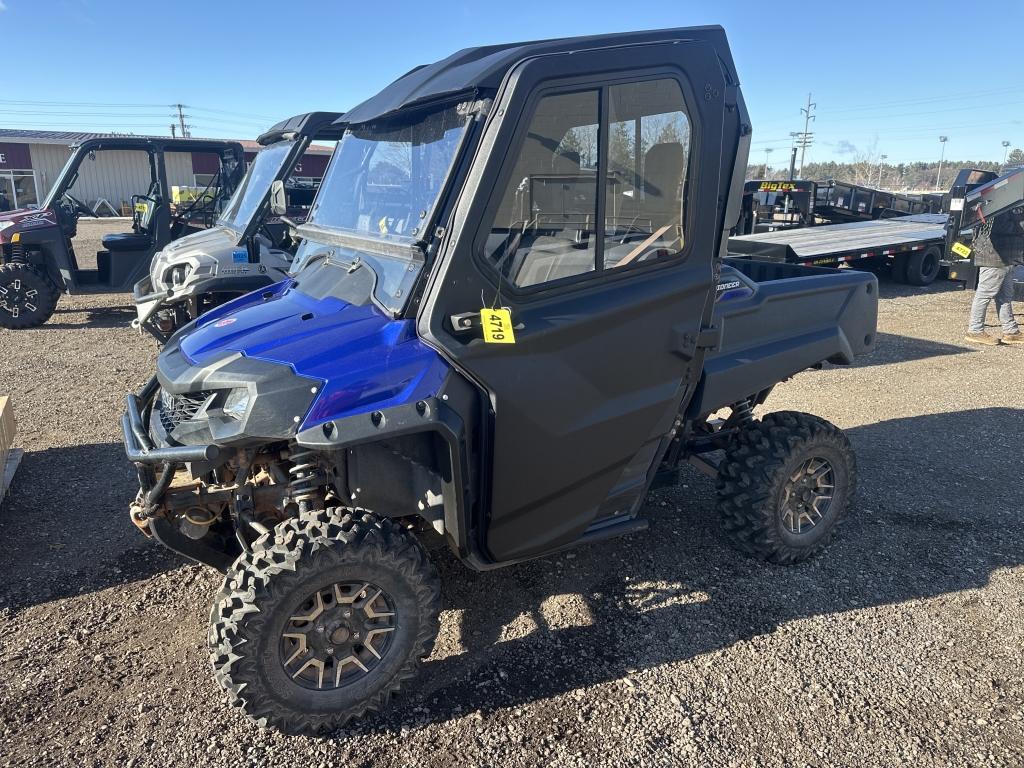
278 200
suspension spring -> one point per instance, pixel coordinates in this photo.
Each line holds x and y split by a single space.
304 477
742 413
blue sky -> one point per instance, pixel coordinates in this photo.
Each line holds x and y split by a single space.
887 77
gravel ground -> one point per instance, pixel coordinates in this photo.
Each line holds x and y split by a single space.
900 645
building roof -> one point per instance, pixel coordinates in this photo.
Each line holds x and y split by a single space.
67 138
46 137
481 70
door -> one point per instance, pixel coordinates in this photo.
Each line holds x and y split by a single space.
592 213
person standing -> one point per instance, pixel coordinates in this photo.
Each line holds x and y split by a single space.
998 246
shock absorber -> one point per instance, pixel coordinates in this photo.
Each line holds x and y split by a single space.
742 414
304 477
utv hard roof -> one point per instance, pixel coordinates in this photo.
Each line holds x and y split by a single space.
479 71
317 125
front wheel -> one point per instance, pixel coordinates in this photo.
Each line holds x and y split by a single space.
785 484
324 621
27 297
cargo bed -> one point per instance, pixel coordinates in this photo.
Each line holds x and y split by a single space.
760 344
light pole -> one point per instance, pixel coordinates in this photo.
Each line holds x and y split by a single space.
938 176
881 158
767 151
1006 148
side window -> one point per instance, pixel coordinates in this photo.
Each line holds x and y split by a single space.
545 228
648 156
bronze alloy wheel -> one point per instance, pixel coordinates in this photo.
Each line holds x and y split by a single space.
807 495
337 635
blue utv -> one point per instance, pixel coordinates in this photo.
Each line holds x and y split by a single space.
510 317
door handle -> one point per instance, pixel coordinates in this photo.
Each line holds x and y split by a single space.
465 323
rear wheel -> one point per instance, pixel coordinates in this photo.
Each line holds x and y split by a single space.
27 297
922 267
324 620
784 486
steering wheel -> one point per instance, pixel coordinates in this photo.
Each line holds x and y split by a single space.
78 207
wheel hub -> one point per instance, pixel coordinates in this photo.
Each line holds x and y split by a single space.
16 296
807 495
337 635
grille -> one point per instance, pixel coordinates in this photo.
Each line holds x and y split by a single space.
184 407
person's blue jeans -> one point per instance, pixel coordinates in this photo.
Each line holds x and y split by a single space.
994 283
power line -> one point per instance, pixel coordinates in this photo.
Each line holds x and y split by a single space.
78 104
229 112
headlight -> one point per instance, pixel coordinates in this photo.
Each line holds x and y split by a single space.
176 276
236 404
5 224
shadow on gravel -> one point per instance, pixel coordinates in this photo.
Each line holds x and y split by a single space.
95 317
893 348
890 289
938 511
65 530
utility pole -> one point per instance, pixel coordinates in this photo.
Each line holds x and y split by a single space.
808 113
938 176
881 158
767 151
173 129
181 121
793 135
1006 148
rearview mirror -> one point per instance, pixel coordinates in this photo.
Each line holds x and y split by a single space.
278 201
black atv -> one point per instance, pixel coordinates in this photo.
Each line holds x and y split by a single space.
507 329
37 259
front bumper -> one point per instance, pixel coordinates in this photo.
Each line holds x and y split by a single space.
147 302
139 446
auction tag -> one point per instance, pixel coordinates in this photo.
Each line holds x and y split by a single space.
497 325
961 250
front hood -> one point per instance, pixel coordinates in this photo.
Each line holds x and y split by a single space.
203 247
205 241
25 219
365 359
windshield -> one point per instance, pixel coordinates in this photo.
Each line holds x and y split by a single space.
377 197
254 187
385 178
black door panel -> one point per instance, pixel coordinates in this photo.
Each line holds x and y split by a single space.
591 386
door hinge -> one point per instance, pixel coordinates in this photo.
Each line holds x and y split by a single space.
687 342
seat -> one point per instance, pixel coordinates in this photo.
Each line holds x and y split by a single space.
127 241
663 174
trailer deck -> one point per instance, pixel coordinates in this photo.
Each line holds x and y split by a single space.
837 243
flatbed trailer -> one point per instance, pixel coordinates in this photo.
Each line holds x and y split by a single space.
913 245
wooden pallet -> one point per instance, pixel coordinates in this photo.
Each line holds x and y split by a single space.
13 460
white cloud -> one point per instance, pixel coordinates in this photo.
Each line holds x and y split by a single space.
2 6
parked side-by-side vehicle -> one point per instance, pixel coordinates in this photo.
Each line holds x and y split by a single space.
507 328
37 257
252 243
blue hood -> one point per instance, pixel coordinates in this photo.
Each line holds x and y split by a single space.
365 359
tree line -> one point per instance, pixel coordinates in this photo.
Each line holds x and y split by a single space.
895 176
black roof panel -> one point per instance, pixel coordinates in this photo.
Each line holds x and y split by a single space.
481 70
